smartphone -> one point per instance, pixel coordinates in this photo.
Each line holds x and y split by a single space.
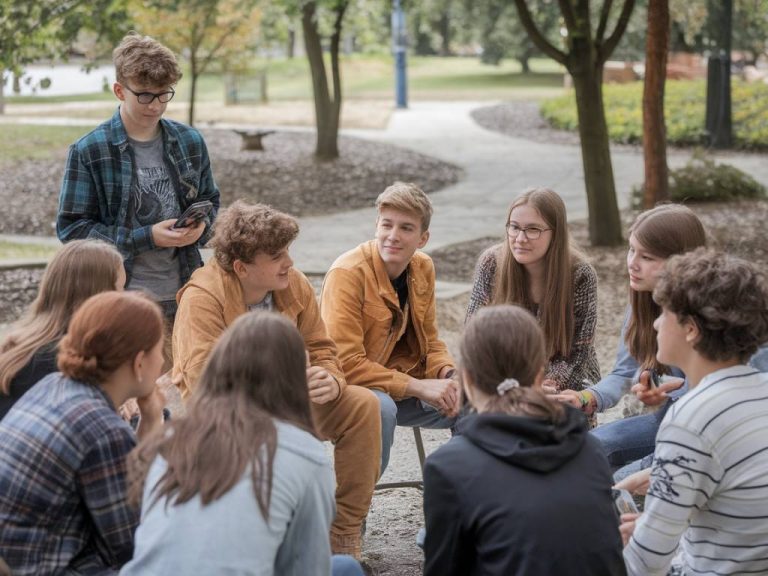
194 214
655 378
623 502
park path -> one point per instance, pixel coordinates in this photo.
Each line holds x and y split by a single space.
496 168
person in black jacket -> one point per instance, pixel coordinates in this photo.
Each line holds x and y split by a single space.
79 270
524 490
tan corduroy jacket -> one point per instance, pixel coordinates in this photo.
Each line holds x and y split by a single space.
363 316
213 299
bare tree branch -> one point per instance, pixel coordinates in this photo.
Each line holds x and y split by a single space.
605 50
605 12
568 14
341 8
536 36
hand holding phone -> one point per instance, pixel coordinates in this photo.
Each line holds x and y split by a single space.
624 502
194 214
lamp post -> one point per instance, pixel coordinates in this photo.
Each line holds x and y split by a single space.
399 43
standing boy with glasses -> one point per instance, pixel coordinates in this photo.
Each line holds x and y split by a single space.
129 180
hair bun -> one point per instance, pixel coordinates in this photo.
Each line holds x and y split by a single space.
78 366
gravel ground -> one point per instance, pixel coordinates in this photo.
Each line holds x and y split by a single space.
396 514
285 175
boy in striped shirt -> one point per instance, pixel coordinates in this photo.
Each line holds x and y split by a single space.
707 490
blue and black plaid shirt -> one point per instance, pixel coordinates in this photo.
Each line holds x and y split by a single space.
63 507
95 199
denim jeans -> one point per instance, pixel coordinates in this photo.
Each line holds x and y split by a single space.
408 412
630 439
345 566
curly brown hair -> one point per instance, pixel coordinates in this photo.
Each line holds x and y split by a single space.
243 230
726 296
143 60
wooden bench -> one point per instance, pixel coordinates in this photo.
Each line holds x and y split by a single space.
253 139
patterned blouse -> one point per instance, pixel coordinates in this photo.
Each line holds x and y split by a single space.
581 364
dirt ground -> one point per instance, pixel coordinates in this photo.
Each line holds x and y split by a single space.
284 175
396 514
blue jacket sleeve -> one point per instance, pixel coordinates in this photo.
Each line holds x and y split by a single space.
610 389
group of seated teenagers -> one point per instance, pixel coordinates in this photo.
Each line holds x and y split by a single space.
94 479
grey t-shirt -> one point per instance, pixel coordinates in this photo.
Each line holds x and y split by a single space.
154 200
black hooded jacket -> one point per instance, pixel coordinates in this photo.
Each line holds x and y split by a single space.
514 495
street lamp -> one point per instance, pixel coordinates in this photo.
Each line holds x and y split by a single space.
399 45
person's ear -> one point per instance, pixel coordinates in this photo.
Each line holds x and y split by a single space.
238 267
424 239
138 365
692 332
117 90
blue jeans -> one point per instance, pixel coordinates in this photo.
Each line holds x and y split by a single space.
408 412
630 439
345 566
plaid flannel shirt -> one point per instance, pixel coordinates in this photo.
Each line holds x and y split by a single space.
95 198
63 502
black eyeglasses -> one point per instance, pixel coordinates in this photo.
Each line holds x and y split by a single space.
532 233
149 97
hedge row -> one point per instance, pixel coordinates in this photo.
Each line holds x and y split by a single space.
685 109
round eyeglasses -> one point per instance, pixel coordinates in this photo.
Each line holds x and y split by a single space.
532 233
149 97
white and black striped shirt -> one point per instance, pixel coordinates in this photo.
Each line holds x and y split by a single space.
709 484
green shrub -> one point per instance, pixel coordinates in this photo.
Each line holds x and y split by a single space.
685 110
702 180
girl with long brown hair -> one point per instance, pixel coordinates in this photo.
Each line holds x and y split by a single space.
79 270
63 504
654 237
241 484
539 269
505 495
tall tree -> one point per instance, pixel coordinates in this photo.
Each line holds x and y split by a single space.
327 104
30 31
654 129
204 31
585 58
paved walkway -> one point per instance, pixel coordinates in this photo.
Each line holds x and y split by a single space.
496 168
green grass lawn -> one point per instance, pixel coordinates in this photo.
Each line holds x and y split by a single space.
26 142
18 251
372 77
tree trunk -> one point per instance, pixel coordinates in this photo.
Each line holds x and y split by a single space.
326 109
656 187
193 71
604 221
444 28
291 43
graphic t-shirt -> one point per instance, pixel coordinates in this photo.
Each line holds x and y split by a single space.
154 200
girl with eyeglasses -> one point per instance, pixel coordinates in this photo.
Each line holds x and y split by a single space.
538 268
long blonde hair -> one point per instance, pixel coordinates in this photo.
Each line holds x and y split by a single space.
79 270
663 231
512 282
